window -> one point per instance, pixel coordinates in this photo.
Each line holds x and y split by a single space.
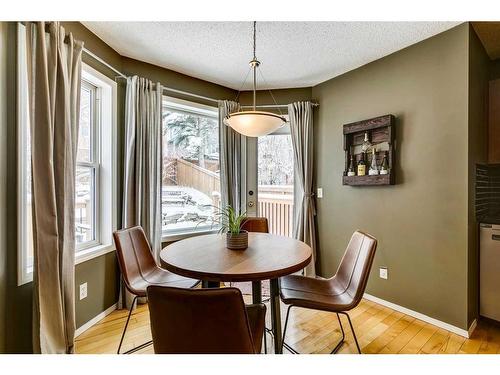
24 234
87 169
275 181
190 181
95 184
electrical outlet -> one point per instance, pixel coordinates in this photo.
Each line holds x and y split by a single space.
383 273
320 193
83 291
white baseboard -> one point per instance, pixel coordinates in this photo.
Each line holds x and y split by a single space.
95 320
438 323
472 327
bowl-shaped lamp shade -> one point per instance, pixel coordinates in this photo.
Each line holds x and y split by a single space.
254 123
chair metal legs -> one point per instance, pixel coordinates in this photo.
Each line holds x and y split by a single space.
337 347
352 330
341 342
283 343
125 329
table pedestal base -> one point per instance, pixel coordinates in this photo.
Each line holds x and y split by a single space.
210 284
276 315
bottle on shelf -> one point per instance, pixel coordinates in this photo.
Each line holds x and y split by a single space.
350 170
373 165
362 165
384 167
365 147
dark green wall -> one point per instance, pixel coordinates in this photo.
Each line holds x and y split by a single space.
421 222
178 81
282 96
479 65
101 275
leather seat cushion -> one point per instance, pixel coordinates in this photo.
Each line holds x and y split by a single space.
312 293
159 276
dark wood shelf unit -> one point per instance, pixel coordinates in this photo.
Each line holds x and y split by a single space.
381 179
380 130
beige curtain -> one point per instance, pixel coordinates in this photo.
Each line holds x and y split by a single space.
301 129
232 147
54 72
143 162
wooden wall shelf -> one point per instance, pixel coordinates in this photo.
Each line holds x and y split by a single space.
381 132
381 179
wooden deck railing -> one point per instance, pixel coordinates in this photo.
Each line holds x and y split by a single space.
189 174
276 203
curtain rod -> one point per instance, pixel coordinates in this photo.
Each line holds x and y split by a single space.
165 88
181 92
171 89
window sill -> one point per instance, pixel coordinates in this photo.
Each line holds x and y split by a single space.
93 252
80 257
171 237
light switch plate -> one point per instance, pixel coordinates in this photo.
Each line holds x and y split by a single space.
320 193
83 291
383 273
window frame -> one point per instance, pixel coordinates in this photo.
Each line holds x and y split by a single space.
181 105
106 172
94 164
106 179
24 270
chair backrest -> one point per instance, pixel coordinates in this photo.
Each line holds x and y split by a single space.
198 321
354 269
134 255
255 224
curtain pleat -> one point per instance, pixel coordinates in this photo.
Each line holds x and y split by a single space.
143 163
304 211
54 79
232 151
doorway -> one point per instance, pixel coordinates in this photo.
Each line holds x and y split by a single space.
275 181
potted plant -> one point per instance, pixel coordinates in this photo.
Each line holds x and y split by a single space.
230 223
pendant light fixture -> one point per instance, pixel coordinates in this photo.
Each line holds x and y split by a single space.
254 123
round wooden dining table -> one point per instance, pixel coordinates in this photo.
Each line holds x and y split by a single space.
267 257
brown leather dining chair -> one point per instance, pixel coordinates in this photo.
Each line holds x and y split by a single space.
339 294
139 270
204 321
255 224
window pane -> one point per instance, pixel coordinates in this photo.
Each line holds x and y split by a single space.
85 133
28 207
275 159
191 183
85 204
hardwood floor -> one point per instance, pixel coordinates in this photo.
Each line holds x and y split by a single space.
379 329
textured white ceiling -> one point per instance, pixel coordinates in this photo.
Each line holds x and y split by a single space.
293 54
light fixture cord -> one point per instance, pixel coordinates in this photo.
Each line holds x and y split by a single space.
242 85
270 92
254 40
254 65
